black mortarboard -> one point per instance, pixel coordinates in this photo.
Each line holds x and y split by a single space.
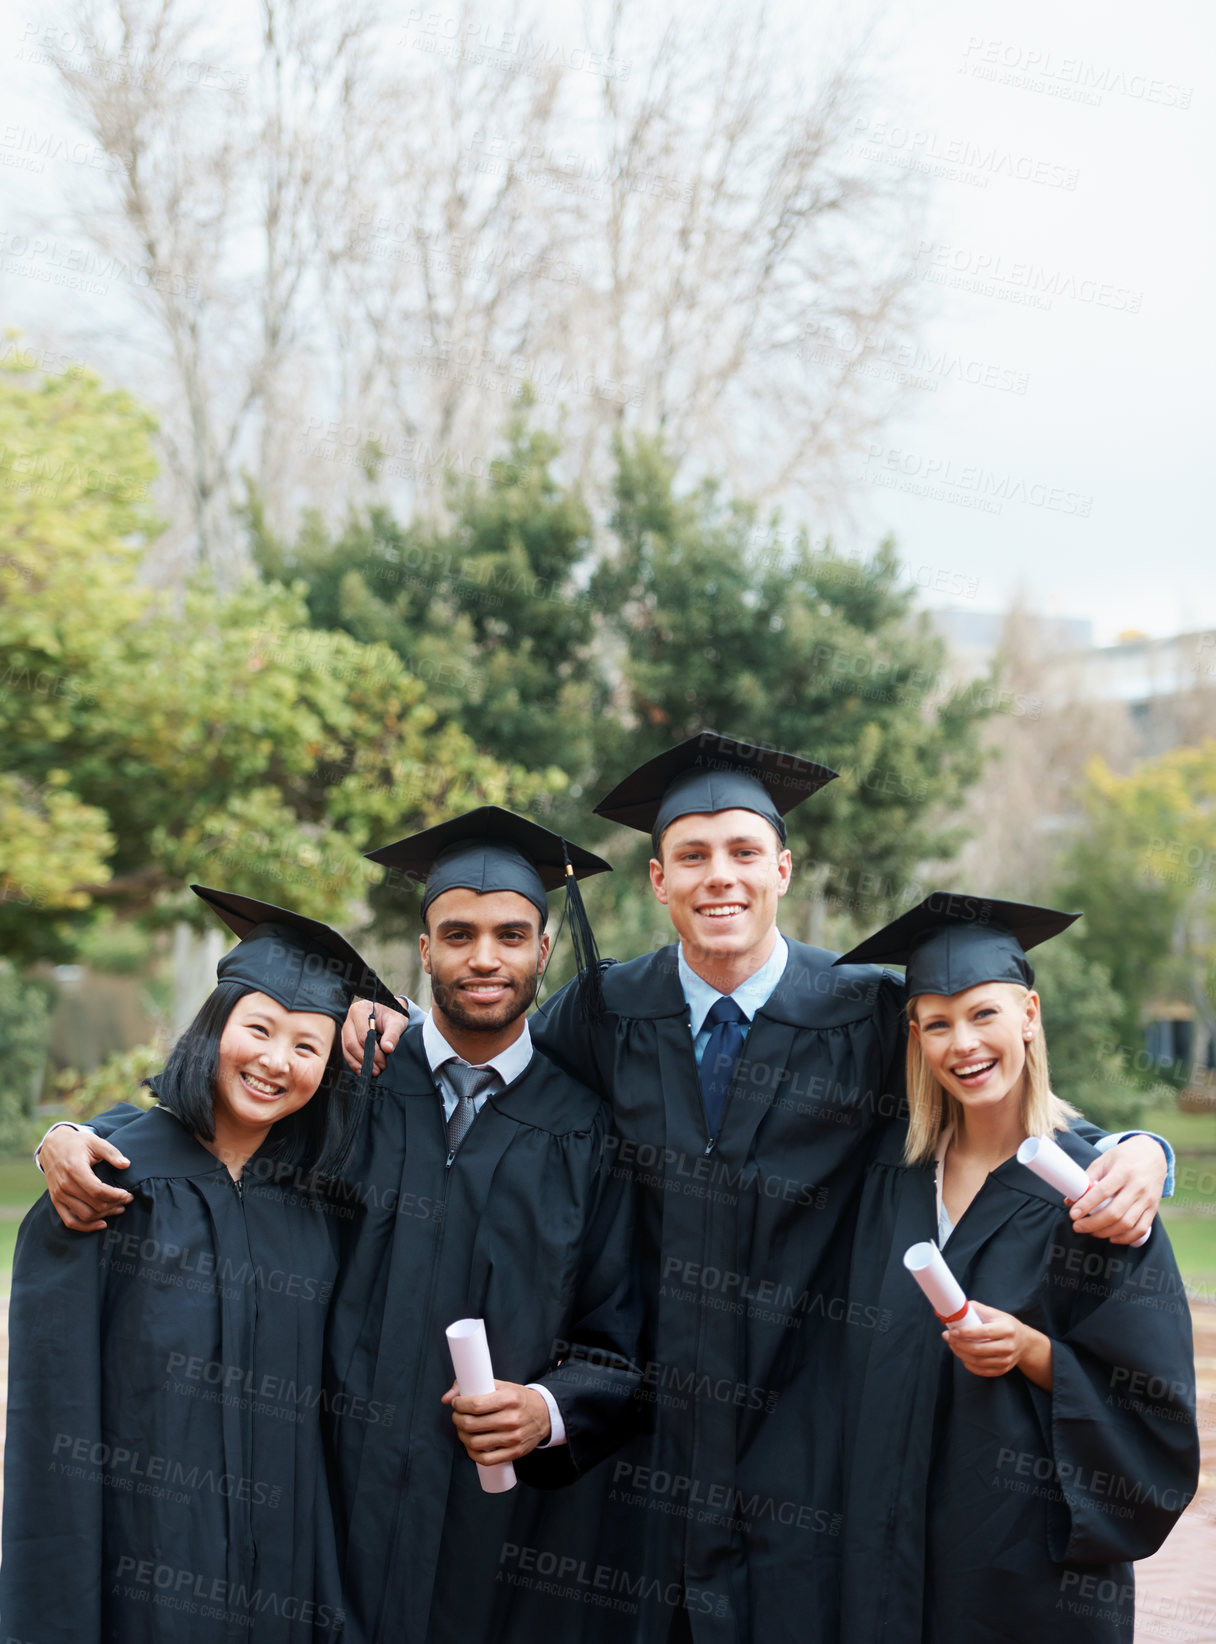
492 849
300 962
707 773
952 941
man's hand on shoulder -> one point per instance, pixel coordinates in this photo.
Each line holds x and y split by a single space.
390 1025
1128 1182
81 1198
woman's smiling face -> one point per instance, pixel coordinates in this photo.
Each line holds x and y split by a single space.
271 1061
975 1041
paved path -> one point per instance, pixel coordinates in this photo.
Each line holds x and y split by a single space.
1176 1588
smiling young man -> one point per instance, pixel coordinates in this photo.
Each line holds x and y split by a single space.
484 1190
479 1185
720 877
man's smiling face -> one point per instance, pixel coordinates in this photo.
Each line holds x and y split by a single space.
720 877
483 954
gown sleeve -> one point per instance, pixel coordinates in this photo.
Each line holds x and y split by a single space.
598 1373
582 1048
54 1463
105 1124
1121 1425
1087 1130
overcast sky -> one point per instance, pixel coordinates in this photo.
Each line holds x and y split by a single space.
1070 246
1056 433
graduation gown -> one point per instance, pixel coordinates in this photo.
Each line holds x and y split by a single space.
528 1226
164 1468
985 1509
727 1515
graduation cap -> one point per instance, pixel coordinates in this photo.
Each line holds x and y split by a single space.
707 773
492 849
304 965
952 941
300 962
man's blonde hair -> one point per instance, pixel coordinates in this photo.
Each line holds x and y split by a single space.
932 1108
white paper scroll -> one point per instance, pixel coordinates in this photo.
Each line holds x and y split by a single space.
474 1373
928 1267
1049 1161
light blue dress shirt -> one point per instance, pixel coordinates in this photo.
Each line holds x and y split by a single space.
749 995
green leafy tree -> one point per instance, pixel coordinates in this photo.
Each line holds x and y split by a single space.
1142 866
118 1079
1082 1017
76 468
555 650
149 743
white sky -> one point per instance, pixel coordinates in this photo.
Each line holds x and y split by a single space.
1089 445
1117 405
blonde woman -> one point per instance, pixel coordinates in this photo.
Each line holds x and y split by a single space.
1001 1476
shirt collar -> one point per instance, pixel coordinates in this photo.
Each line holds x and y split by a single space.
749 995
508 1064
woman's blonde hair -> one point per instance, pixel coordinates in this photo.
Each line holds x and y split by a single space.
931 1108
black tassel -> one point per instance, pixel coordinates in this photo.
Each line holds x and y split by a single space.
586 954
360 1096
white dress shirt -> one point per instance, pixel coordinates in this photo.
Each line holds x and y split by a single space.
508 1064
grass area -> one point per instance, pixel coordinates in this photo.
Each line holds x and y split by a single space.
1188 1132
1194 1242
1193 1138
8 1244
20 1184
20 1180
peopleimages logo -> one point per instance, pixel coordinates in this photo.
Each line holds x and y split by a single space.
1074 79
991 274
943 479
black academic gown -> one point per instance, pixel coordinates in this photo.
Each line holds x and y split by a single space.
164 1467
726 1518
984 1509
529 1227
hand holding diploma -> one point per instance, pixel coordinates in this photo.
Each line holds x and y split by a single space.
997 1343
478 1403
928 1267
502 1426
1051 1164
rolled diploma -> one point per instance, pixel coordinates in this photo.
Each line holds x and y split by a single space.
1049 1161
474 1373
928 1267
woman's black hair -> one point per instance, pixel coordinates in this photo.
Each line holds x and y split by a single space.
305 1142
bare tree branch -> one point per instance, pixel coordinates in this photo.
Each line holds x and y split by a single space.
357 262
